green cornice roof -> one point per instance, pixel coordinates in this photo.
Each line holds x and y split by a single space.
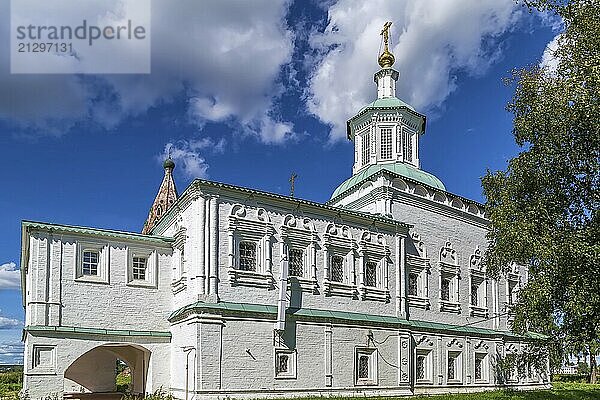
370 319
401 169
95 331
387 102
43 226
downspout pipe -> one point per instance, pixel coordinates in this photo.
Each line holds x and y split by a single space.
281 302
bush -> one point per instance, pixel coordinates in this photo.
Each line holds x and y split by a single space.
11 377
573 378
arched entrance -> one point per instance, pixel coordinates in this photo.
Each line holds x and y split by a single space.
95 370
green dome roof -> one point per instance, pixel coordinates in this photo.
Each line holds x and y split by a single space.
398 168
387 102
169 163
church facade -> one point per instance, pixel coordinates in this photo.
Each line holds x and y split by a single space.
234 292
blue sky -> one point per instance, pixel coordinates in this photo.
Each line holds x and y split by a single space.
247 93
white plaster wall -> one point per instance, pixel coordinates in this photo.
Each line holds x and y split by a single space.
68 349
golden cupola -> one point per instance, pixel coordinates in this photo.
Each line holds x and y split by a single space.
386 58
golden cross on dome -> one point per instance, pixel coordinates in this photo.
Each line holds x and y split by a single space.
385 32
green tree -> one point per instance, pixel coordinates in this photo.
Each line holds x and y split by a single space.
544 207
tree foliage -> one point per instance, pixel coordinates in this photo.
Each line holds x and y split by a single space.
544 208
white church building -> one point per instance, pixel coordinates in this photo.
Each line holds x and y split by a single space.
235 292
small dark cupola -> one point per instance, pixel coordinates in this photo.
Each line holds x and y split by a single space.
165 198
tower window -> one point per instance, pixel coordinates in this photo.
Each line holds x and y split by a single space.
407 148
386 143
366 148
337 269
247 256
91 259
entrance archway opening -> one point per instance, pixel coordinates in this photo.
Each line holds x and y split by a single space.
109 368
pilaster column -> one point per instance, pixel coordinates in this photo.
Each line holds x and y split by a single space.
214 248
201 245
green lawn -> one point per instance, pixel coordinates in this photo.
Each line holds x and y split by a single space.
560 391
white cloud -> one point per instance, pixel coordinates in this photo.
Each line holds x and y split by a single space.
225 56
9 323
431 40
186 154
11 350
549 60
10 276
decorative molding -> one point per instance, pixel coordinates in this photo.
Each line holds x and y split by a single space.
481 344
455 342
423 340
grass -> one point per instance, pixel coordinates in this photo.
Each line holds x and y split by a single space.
559 391
10 384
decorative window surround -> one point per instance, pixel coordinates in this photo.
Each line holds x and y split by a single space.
179 282
424 366
372 248
454 367
481 367
419 265
365 366
150 279
478 283
285 364
450 270
338 241
300 233
103 251
43 360
258 229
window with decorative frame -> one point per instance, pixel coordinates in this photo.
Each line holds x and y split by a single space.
454 367
365 367
478 279
250 236
142 267
481 368
92 262
285 361
299 242
423 366
339 257
449 280
386 143
373 253
418 270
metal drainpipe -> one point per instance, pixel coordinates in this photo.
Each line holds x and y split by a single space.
187 350
283 275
